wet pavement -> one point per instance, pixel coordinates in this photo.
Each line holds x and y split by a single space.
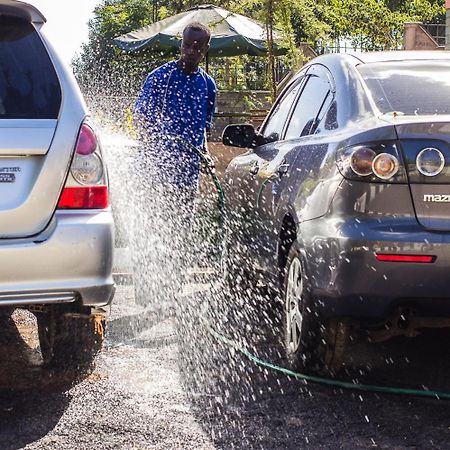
161 383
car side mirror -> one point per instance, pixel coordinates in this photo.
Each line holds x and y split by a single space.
242 135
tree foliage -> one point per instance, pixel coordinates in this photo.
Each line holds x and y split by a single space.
369 24
431 11
101 67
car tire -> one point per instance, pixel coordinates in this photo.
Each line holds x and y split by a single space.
69 336
312 345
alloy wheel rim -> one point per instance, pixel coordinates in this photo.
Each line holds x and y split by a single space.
293 303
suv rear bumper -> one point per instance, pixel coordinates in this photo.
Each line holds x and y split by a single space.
71 260
344 273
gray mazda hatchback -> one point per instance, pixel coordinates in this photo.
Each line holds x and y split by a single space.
341 202
56 228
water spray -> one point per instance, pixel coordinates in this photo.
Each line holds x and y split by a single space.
219 189
266 364
276 368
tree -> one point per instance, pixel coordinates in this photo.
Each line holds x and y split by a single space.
101 67
355 20
280 16
431 11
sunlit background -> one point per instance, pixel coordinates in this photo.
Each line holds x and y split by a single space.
66 24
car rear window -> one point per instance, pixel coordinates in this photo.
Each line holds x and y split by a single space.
409 87
29 86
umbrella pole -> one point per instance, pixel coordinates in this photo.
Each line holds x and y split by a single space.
207 62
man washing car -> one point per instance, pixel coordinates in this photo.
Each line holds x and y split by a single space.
173 112
175 108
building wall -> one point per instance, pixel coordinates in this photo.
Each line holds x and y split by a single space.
415 37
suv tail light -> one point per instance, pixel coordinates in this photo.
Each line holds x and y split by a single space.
373 162
87 169
87 141
84 197
86 187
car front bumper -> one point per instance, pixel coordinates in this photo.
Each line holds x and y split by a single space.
71 260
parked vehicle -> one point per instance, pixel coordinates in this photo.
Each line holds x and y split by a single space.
341 202
56 228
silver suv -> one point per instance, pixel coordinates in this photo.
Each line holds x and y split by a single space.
56 228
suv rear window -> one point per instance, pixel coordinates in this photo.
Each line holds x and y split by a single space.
409 87
29 86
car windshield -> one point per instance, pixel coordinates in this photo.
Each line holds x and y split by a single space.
409 87
29 87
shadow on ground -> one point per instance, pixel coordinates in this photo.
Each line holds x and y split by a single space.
244 406
32 397
148 329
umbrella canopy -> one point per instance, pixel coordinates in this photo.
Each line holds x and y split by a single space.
231 34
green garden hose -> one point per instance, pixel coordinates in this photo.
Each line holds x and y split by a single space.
327 381
220 193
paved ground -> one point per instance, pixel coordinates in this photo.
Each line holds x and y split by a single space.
165 384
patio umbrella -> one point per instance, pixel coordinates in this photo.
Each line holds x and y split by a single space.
231 34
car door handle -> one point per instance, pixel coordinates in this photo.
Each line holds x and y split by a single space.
283 169
254 169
